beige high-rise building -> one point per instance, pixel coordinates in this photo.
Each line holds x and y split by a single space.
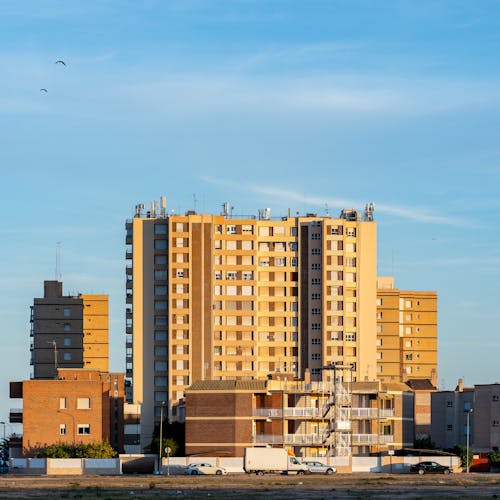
406 333
218 297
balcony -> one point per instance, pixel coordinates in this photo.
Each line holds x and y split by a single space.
371 439
386 412
306 412
364 413
290 439
268 412
16 416
128 255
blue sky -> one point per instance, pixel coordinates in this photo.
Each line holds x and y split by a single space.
281 104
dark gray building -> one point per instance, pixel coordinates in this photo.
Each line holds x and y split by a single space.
56 332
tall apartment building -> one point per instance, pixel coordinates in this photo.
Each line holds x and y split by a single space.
406 333
216 297
68 332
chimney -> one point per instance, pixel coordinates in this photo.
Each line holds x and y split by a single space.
460 386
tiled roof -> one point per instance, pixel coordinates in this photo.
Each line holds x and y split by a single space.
228 385
423 384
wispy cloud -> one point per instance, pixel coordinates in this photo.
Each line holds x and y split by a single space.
417 214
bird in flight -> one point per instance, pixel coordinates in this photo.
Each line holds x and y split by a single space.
44 90
60 61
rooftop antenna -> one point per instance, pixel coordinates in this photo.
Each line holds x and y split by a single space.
327 210
195 200
58 261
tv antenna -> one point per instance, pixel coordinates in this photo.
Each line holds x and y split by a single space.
54 344
195 201
58 261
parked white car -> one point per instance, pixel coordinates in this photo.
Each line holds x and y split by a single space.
204 468
319 467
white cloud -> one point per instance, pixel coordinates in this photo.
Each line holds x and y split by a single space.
417 214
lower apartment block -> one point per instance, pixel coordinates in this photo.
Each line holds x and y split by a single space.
80 406
309 419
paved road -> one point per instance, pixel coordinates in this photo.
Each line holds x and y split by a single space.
243 487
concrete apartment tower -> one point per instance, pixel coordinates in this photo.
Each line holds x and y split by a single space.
68 332
218 297
406 333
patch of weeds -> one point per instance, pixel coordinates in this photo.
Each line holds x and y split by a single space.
74 485
152 485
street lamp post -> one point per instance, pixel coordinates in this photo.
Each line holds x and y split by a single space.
468 412
160 447
4 444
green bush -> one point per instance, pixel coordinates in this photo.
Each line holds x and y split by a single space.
461 451
100 449
494 458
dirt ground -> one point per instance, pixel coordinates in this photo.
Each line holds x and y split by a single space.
245 487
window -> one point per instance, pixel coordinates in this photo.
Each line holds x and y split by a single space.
83 429
160 229
160 275
449 427
62 403
379 315
67 312
316 326
495 397
160 290
67 342
316 356
316 251
316 371
83 404
294 262
67 327
161 336
408 304
160 366
315 341
160 351
316 296
160 381
67 356
160 305
180 273
161 260
379 355
315 267
494 423
315 236
160 244
350 337
379 302
409 357
62 429
316 281
379 328
449 404
160 396
315 310
379 342
160 320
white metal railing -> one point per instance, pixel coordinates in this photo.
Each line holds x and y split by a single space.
366 439
310 411
268 412
387 412
290 439
364 412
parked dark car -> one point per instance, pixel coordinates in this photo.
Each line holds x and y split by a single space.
430 468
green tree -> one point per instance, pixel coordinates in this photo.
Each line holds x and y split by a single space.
424 444
461 451
174 447
494 458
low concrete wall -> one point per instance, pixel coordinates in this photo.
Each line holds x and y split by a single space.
102 466
28 466
65 466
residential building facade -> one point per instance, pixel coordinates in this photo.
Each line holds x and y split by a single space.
68 332
309 419
406 333
80 406
217 297
486 435
450 413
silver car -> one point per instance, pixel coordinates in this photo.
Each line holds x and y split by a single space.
204 468
319 467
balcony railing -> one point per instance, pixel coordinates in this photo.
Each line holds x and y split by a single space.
371 439
386 412
364 412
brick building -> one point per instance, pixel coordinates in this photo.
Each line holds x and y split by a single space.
80 406
310 419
